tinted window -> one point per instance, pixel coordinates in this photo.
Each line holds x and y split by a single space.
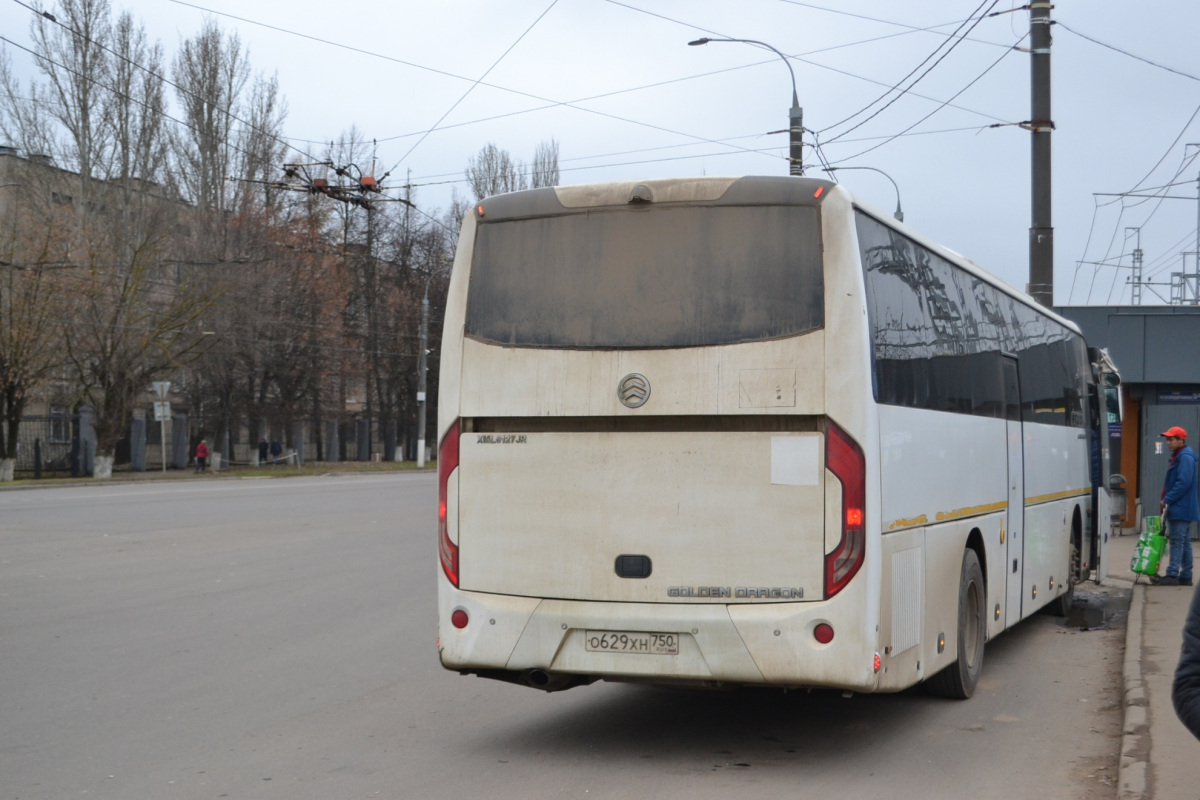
939 332
680 276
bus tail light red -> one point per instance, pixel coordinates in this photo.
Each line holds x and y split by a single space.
447 463
844 458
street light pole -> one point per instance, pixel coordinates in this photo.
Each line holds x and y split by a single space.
422 368
899 214
795 113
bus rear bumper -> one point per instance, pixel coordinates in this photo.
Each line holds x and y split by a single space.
537 642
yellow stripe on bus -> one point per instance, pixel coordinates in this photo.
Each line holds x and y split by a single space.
974 511
908 523
1046 498
971 511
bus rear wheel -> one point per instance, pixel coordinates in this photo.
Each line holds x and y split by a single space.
1061 606
958 680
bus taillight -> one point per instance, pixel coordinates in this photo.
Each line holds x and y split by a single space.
844 458
447 463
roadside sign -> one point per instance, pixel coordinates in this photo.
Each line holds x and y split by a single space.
162 411
160 388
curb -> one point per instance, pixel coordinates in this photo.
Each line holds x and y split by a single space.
1135 732
187 475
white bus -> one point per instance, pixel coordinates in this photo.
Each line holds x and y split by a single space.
747 431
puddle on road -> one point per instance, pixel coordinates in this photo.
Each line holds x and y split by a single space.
1086 618
1097 611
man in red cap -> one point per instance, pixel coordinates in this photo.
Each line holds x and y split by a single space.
1180 508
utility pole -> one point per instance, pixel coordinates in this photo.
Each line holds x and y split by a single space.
1196 263
1041 230
423 367
1135 289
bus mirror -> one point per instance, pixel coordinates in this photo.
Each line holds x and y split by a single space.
1114 404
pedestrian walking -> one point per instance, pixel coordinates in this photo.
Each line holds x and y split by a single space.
276 451
202 455
1180 508
262 450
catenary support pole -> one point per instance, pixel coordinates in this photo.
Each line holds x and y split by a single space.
422 366
1196 273
1041 231
421 370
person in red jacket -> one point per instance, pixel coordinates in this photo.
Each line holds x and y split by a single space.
1180 508
202 455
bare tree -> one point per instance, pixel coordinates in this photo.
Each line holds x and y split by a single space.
261 148
211 70
129 312
306 300
544 171
23 122
72 54
135 123
459 208
278 333
133 320
49 219
34 236
493 171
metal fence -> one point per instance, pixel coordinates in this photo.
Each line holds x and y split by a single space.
48 444
64 445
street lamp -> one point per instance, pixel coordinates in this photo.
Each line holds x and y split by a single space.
899 215
795 113
422 368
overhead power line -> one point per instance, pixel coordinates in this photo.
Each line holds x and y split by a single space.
445 73
973 81
250 126
1135 57
573 104
471 88
908 28
901 92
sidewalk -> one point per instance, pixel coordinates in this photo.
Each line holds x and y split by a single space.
1159 757
239 472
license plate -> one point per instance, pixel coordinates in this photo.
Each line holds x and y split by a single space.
659 644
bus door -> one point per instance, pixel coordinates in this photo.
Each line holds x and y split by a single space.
1109 498
1015 523
1099 470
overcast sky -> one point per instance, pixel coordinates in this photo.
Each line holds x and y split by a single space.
614 82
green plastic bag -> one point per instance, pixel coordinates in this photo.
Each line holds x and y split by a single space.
1150 547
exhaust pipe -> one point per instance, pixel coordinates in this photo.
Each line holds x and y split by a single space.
537 678
553 681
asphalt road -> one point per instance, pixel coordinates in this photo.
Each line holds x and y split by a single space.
275 639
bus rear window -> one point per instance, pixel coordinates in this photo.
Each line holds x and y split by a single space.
678 276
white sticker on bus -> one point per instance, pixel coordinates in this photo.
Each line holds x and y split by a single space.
795 460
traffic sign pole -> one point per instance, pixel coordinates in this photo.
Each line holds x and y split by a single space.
161 389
